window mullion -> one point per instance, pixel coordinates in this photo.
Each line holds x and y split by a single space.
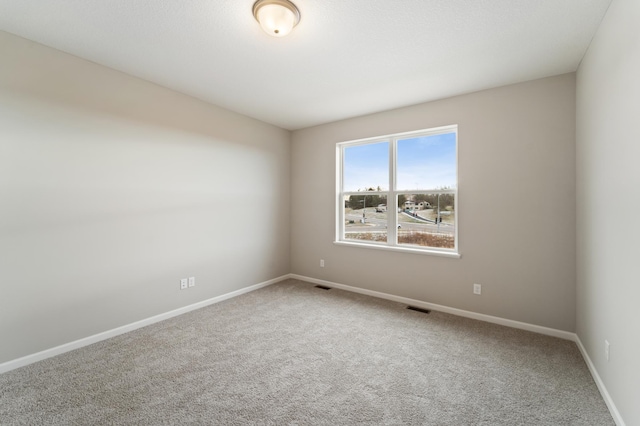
392 202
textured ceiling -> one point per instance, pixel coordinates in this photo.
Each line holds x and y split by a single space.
345 58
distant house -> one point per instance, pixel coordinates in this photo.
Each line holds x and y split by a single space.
409 205
423 205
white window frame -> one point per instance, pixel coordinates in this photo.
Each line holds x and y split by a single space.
392 195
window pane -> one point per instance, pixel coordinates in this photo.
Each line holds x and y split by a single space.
365 217
427 162
366 167
426 220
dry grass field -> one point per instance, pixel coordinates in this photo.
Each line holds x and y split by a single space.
423 239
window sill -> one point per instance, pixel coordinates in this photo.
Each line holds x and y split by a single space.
449 254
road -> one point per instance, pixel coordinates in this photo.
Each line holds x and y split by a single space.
379 224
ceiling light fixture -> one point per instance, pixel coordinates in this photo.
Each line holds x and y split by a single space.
276 17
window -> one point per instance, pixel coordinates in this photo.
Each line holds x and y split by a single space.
400 192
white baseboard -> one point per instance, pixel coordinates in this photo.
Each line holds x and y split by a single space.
454 311
48 353
601 387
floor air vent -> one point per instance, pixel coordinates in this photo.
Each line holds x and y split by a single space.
323 287
424 311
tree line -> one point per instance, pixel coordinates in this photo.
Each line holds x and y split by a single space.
355 202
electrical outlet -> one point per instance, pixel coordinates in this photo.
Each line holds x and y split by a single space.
322 263
606 349
477 289
192 281
183 283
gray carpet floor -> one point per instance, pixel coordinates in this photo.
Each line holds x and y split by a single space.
291 353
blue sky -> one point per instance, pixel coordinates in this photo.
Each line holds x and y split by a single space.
427 162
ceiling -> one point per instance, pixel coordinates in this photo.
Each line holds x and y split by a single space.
346 57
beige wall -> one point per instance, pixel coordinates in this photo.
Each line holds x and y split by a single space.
608 202
516 205
112 189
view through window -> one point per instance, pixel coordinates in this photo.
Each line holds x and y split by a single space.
400 191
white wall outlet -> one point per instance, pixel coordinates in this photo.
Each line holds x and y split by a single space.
183 283
192 281
606 349
322 263
477 289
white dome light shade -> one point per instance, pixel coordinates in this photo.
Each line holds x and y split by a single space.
276 17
